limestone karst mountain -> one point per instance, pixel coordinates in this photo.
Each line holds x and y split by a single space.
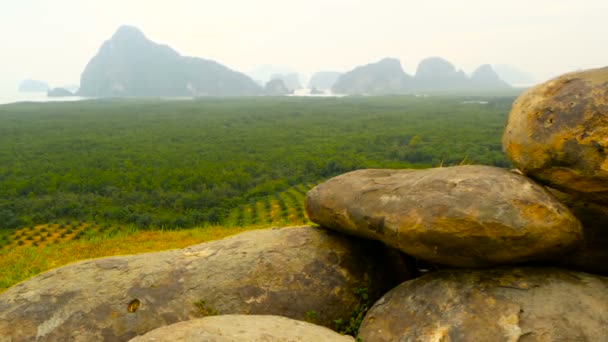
323 80
434 74
33 86
129 64
276 87
484 77
290 80
514 75
383 77
437 74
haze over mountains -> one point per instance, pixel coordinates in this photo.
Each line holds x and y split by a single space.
129 64
433 74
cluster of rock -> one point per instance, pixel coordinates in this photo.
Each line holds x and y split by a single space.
532 239
465 253
303 273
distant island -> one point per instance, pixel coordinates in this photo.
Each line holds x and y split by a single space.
323 80
59 92
129 64
434 74
380 78
33 86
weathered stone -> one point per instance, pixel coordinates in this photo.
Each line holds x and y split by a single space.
522 304
557 133
294 272
592 254
239 328
464 216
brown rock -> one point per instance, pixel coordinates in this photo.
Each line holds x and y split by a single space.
464 216
290 272
522 304
557 133
592 254
240 328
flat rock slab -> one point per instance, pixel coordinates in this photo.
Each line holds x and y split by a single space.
241 328
464 216
522 304
557 133
296 272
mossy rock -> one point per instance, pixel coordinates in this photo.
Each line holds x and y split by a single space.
237 328
557 133
463 216
521 304
286 272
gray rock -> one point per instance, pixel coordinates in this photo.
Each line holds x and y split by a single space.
296 272
239 328
464 216
525 304
557 133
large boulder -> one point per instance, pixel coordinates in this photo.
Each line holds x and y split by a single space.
527 304
464 216
296 272
592 254
557 133
238 328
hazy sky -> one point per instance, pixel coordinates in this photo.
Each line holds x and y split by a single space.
52 40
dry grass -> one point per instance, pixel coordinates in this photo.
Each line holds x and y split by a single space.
20 263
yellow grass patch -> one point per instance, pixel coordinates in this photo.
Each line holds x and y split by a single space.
22 262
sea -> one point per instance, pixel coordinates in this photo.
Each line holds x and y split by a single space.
6 98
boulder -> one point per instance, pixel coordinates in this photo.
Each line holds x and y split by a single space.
557 133
297 272
592 254
464 216
238 328
522 304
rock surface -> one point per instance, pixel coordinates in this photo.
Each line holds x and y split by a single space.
288 272
527 304
592 254
464 216
240 328
557 133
